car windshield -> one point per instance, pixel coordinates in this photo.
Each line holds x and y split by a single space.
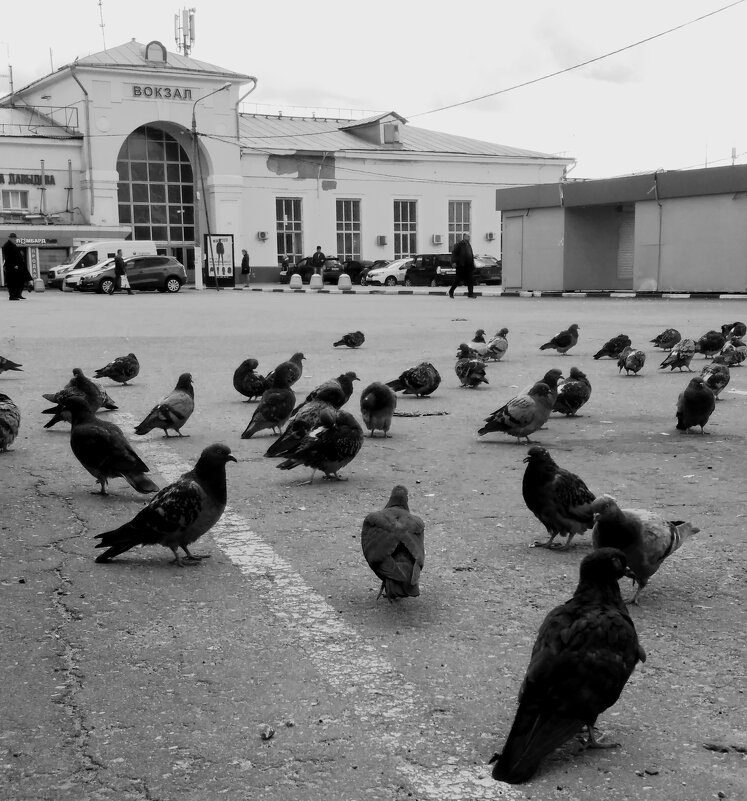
72 258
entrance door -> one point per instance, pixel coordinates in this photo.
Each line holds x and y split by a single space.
513 252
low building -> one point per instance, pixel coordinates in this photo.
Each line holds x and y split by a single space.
137 141
669 231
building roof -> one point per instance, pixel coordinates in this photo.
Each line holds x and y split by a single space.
280 134
22 121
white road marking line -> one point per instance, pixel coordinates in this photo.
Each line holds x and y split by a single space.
380 695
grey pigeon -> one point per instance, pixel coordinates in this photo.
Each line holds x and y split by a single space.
563 341
470 370
179 514
644 537
558 498
120 370
393 543
680 356
585 652
276 404
734 330
8 364
710 343
613 347
668 338
421 380
352 340
10 421
522 415
695 405
173 410
631 360
497 345
102 448
573 393
716 377
478 343
247 382
732 354
293 369
78 386
378 402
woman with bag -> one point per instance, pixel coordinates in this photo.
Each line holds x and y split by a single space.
120 274
246 270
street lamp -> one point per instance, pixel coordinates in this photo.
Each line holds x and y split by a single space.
201 188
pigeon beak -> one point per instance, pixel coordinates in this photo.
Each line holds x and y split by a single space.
231 458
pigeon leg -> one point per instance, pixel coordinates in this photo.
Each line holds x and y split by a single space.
547 544
166 433
567 544
594 743
194 557
102 491
180 433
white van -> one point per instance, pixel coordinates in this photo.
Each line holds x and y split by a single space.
90 253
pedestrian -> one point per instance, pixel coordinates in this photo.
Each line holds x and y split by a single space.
246 270
463 260
120 274
17 275
220 250
317 260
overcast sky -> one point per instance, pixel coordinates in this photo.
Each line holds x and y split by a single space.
673 103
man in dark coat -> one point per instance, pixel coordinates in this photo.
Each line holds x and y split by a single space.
317 260
16 272
463 260
120 273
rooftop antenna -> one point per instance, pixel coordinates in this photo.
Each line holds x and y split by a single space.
101 22
184 30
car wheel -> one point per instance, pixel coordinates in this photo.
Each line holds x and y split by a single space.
106 285
173 284
390 281
408 281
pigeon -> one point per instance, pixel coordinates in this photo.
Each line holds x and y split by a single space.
7 364
470 370
734 330
497 346
631 361
716 377
121 370
645 538
420 380
293 368
10 420
336 391
695 405
247 382
732 354
564 341
304 419
559 499
585 652
478 343
172 411
102 448
378 402
551 378
329 447
680 356
276 404
393 542
613 347
668 338
78 386
179 514
522 415
352 340
464 351
710 343
573 393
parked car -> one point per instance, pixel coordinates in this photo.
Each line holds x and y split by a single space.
430 269
366 270
355 269
162 273
71 279
94 252
488 270
332 270
389 274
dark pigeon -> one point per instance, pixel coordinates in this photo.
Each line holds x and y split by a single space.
8 364
336 391
695 405
710 343
668 338
680 356
172 411
573 393
631 360
121 370
716 377
352 340
563 341
293 369
276 404
378 402
247 382
10 421
614 347
420 380
305 419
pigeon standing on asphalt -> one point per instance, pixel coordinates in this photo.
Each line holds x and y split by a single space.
573 393
293 369
378 402
102 448
631 361
585 652
710 343
552 379
470 370
680 356
478 343
613 347
497 346
276 404
420 380
10 421
121 370
352 340
695 405
172 411
247 382
179 514
645 538
336 391
732 354
79 386
393 542
734 330
7 364
329 447
716 377
668 338
305 418
563 341
522 415
559 499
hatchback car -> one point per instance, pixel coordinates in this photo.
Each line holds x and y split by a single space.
430 269
390 274
162 273
488 270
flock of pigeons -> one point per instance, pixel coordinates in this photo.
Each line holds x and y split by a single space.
586 649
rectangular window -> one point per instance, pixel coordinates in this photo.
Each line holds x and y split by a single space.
348 229
288 228
405 228
15 199
459 221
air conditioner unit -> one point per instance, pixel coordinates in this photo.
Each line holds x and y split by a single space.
381 240
262 235
490 236
438 239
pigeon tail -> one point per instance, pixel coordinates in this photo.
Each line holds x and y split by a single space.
140 482
397 385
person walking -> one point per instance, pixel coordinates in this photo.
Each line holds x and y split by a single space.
16 272
246 270
317 260
120 274
463 259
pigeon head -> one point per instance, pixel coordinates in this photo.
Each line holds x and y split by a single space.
346 419
77 372
540 390
502 332
463 350
217 454
351 376
185 381
297 358
603 566
602 505
251 364
697 382
577 374
552 377
77 406
573 327
478 334
399 497
538 454
328 418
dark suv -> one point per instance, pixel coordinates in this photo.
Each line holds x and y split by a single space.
163 273
430 269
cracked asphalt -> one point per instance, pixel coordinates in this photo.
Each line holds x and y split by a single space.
270 671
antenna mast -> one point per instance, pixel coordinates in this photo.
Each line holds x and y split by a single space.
184 30
101 22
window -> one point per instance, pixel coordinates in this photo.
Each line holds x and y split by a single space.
348 229
288 228
15 199
459 221
405 228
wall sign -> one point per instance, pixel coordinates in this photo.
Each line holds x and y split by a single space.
34 179
162 92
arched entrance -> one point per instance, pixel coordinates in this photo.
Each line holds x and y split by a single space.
156 191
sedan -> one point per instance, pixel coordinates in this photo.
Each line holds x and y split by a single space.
389 275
